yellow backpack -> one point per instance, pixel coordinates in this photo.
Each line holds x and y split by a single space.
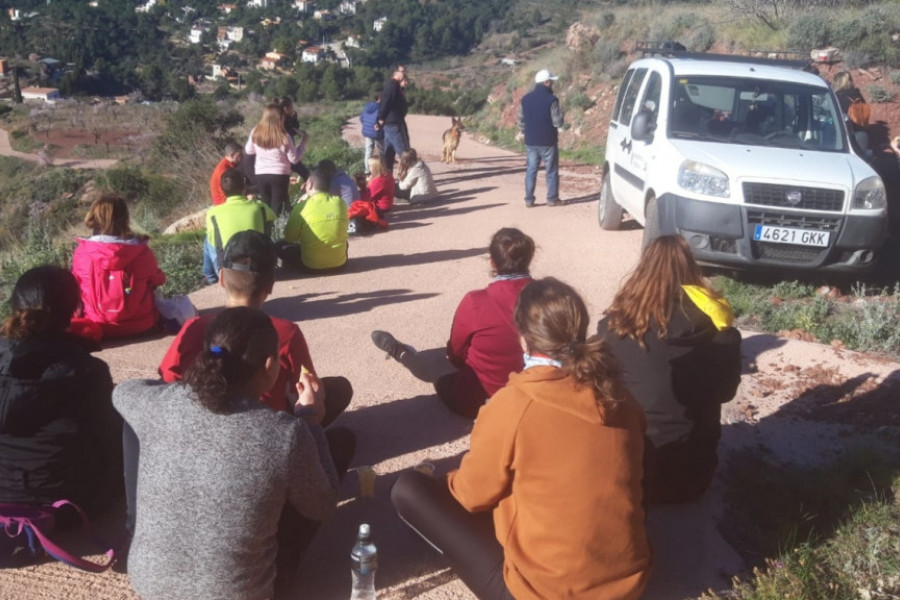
717 309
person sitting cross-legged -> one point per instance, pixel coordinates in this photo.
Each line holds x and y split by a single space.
237 214
315 236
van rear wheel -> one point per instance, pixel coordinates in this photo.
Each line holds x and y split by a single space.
651 222
609 213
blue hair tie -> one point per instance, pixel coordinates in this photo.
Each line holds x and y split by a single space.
218 351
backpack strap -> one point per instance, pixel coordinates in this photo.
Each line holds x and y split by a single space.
67 557
267 225
217 235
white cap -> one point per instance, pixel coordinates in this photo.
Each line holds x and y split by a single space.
544 75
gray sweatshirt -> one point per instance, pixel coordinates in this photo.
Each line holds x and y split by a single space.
211 489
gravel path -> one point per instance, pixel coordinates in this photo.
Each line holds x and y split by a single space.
408 281
73 163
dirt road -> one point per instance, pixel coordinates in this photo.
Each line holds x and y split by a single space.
409 281
73 163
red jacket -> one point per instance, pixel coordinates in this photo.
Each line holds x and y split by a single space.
215 181
117 280
484 336
381 189
292 354
364 209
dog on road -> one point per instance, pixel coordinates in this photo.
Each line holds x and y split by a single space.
451 140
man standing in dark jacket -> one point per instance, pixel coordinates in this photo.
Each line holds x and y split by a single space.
539 119
392 117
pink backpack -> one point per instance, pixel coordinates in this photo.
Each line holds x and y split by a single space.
28 526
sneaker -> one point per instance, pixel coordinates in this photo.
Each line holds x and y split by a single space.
529 203
385 341
556 202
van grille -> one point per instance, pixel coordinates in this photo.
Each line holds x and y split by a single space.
815 222
768 194
787 253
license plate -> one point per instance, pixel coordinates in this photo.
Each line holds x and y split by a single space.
789 235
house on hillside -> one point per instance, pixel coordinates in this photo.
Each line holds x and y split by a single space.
4 68
313 55
258 3
226 8
271 61
347 7
305 6
40 93
353 41
323 15
145 7
379 24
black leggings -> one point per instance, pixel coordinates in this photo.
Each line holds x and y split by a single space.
466 539
274 190
295 532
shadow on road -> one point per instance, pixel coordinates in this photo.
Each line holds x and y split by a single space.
297 308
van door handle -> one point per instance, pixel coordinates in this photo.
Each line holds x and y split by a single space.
626 145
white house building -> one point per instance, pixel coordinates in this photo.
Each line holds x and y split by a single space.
40 93
347 7
194 35
379 24
313 54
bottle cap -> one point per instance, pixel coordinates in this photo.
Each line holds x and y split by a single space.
364 530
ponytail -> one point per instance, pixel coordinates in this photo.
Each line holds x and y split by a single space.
27 323
238 343
593 365
553 319
43 302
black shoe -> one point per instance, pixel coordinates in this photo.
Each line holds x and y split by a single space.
385 341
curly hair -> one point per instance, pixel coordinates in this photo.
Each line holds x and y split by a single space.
43 302
238 343
553 319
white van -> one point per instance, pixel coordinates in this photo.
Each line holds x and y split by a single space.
748 160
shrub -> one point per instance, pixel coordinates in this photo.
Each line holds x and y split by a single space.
606 52
181 258
578 99
808 31
702 38
894 77
606 20
879 94
127 181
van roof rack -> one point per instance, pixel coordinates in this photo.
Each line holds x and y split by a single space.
783 58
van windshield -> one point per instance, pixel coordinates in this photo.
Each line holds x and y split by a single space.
756 112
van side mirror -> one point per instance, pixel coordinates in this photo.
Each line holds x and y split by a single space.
643 126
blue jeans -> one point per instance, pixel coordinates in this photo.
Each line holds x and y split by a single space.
394 144
372 145
534 156
210 268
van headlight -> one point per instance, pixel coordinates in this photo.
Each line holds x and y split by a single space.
869 194
702 179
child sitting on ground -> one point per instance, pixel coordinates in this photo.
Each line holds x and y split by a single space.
237 213
248 276
362 214
414 180
380 186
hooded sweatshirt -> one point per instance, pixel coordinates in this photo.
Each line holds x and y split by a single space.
369 118
682 379
562 473
117 277
59 434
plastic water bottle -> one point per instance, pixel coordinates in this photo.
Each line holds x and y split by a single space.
363 564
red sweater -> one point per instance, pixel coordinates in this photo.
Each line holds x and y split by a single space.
484 336
292 353
117 279
381 189
215 181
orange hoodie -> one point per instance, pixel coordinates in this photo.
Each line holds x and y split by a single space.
563 476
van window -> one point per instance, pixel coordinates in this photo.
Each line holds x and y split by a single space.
650 103
754 112
621 95
631 95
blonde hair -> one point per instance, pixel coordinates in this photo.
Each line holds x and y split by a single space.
376 167
108 215
653 290
269 132
842 81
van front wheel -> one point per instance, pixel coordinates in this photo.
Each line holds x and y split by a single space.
651 222
609 213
